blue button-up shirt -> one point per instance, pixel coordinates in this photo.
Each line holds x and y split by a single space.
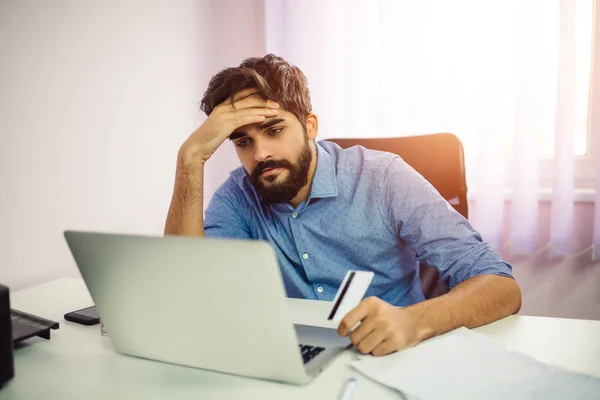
367 210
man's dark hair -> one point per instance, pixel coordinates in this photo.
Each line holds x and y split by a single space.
273 77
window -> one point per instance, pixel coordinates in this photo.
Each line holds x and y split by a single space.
584 11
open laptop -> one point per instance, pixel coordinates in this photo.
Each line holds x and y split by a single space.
216 304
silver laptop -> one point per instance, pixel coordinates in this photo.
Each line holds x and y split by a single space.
215 304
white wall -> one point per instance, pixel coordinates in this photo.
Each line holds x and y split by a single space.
95 100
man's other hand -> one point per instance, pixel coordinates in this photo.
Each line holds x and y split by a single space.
383 328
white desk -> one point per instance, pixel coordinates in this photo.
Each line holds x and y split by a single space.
78 363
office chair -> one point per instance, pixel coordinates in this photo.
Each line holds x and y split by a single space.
439 158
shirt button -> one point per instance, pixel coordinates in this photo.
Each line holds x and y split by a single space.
294 215
305 256
320 289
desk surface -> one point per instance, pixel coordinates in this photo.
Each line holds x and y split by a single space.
79 363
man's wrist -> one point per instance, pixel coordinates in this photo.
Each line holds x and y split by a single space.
189 158
427 319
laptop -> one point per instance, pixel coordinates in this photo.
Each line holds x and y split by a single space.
216 304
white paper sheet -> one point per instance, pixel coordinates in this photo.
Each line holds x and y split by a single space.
465 365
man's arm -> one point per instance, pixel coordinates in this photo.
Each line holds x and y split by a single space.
482 288
185 212
474 302
477 301
187 203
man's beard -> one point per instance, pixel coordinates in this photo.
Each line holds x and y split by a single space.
285 191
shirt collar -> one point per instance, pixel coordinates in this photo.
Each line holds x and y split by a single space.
324 183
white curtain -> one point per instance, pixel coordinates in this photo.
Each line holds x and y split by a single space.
510 78
594 125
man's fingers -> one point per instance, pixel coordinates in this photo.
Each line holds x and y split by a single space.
242 117
250 119
364 329
253 101
371 341
383 348
355 315
244 93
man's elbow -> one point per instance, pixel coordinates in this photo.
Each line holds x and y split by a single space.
512 295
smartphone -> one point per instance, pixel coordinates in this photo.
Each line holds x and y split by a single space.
85 316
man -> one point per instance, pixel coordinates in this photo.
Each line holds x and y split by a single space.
326 210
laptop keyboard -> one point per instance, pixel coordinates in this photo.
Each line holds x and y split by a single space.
310 352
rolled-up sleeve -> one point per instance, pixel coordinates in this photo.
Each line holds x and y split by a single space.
440 236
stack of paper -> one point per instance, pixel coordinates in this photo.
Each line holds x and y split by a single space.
465 365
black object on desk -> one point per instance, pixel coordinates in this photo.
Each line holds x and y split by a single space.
16 326
6 343
26 325
85 316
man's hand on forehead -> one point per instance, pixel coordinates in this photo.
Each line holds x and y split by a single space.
228 116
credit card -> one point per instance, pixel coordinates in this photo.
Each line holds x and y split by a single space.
351 292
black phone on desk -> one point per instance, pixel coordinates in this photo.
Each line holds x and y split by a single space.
85 316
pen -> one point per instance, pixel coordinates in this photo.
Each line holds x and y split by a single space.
348 393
